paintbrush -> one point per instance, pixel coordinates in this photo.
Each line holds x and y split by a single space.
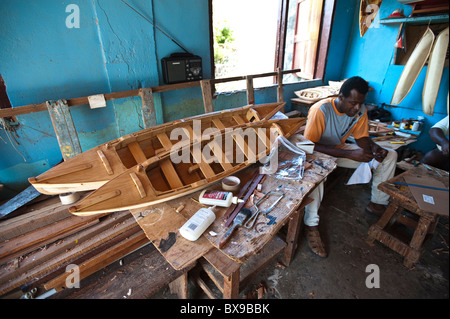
238 221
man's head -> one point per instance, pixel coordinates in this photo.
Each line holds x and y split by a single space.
352 95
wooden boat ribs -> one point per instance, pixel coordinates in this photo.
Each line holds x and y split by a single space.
192 163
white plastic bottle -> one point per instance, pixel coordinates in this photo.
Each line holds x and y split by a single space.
218 198
197 224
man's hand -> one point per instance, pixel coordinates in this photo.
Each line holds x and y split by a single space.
378 152
360 155
370 149
444 148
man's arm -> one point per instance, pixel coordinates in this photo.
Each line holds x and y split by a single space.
359 155
372 148
439 138
367 151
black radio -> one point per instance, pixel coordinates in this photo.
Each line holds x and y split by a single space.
182 67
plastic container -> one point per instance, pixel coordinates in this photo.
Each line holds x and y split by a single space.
231 183
197 224
218 198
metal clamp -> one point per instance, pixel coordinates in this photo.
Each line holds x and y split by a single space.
251 221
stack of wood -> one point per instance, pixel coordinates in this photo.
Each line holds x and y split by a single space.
38 245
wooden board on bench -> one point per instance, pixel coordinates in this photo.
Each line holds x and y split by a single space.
138 276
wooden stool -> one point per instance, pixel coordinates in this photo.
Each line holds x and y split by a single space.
401 199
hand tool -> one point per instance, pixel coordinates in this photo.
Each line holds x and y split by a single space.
237 222
249 192
432 169
249 224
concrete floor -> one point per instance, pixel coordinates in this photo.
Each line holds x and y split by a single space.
344 225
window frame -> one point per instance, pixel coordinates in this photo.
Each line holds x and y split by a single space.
324 35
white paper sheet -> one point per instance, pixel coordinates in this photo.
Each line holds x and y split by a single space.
363 174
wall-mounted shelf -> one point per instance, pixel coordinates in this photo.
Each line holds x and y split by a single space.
441 18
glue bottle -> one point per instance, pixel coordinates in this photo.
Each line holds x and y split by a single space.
197 224
218 198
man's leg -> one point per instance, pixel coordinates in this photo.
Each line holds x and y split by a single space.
311 221
436 158
384 171
312 210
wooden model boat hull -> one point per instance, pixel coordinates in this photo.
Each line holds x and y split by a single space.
413 67
149 183
93 168
368 10
434 72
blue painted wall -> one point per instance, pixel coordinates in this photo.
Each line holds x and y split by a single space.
371 57
115 49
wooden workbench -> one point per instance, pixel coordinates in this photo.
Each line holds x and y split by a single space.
161 224
402 198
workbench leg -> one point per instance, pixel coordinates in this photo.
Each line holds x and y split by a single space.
390 211
180 286
231 285
294 229
415 245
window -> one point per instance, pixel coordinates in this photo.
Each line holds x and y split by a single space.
244 40
259 36
306 39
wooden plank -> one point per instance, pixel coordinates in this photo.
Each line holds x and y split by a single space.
179 286
250 90
260 260
138 184
42 262
280 86
29 241
230 276
220 155
101 260
38 215
166 165
105 162
241 143
19 200
161 225
222 263
231 286
207 95
239 120
32 108
142 273
204 286
64 128
67 246
294 229
137 152
148 107
198 157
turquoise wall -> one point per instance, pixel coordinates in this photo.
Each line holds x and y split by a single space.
115 50
371 57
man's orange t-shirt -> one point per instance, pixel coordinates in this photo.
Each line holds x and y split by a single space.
326 125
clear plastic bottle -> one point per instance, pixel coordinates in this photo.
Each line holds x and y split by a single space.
197 224
218 198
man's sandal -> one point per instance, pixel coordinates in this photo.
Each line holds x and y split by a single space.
315 242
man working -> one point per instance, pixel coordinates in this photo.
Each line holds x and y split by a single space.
330 122
439 156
